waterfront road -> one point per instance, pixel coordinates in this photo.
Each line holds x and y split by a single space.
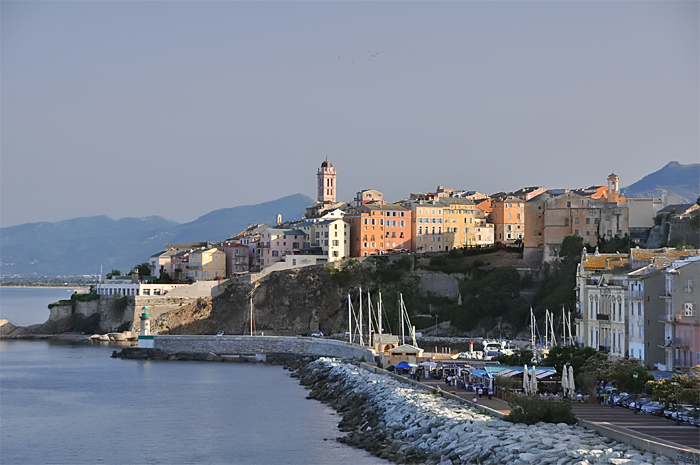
623 419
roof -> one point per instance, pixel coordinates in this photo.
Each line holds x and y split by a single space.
286 232
606 261
540 198
326 164
677 208
455 200
388 206
406 348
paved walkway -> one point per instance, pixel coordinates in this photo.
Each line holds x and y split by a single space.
649 427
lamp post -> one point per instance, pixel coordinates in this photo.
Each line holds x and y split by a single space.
678 419
635 375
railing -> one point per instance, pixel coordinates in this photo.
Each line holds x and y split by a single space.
665 318
634 294
665 294
602 316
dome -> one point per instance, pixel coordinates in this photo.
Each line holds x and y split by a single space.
326 164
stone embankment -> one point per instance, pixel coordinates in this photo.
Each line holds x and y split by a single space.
404 424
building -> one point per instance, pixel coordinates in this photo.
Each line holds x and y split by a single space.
459 218
426 225
377 229
206 264
276 243
618 307
681 297
550 218
508 218
237 257
327 182
368 196
331 237
527 193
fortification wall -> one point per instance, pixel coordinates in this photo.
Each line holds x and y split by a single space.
233 345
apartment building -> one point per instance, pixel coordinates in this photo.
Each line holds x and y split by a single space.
206 264
330 236
276 243
376 229
508 218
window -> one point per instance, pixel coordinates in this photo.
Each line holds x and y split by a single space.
402 224
566 222
336 243
575 220
576 232
639 308
275 253
688 286
588 221
688 309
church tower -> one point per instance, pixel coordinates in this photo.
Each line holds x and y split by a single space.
326 182
613 188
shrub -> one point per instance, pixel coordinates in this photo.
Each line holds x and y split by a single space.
533 409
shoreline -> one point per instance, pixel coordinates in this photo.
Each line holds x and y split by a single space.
74 288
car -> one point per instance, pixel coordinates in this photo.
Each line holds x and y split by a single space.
622 399
653 408
639 403
317 334
220 333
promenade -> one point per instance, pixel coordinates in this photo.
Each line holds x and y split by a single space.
645 426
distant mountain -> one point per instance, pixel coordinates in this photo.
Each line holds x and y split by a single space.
675 178
79 246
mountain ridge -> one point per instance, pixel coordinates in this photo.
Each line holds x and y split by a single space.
80 245
674 178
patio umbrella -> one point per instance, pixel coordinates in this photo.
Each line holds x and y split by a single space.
403 365
565 381
427 363
533 381
572 384
526 381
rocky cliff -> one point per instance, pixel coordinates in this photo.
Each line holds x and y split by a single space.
306 299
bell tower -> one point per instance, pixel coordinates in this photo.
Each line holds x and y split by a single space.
613 188
326 182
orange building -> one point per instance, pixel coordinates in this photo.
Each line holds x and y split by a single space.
377 229
508 218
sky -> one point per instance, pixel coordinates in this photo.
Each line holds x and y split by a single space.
178 108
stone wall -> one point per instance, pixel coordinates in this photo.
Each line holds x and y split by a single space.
437 284
240 345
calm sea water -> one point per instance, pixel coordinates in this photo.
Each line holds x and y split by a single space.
28 305
70 403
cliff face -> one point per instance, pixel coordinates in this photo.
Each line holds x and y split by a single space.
303 300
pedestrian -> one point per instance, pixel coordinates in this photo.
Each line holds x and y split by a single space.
480 392
490 392
579 397
474 400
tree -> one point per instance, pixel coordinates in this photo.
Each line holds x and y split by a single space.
571 246
113 273
165 278
143 269
519 358
576 357
688 389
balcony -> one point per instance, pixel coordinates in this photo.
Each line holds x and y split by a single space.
665 294
604 349
666 318
602 316
634 294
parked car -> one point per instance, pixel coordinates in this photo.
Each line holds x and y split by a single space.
317 334
682 411
639 403
654 408
690 417
624 398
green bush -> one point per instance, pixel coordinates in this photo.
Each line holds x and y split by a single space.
533 409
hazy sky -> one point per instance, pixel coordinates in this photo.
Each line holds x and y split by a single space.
130 108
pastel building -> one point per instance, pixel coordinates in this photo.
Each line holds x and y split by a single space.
459 219
330 236
681 298
206 264
508 218
426 226
376 229
237 257
276 243
549 219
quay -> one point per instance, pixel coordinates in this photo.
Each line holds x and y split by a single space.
645 432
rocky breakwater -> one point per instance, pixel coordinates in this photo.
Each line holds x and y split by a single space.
406 424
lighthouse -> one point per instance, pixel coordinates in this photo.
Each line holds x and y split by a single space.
145 338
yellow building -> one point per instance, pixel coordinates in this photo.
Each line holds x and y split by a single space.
206 264
460 223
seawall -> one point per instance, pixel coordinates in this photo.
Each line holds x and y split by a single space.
252 345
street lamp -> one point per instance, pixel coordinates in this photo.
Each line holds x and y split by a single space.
635 375
675 385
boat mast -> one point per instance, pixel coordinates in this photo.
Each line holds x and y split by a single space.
546 327
370 328
379 312
403 338
349 319
362 342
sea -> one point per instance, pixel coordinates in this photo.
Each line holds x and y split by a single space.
68 402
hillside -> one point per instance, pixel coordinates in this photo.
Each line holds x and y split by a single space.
675 178
81 245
